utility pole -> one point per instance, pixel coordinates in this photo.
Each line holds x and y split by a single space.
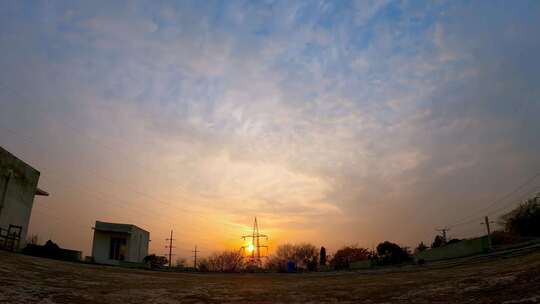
443 230
170 249
195 257
487 222
255 246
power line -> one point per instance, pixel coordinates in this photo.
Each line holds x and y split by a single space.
94 193
134 189
110 181
502 208
71 128
471 218
496 211
520 200
137 212
59 220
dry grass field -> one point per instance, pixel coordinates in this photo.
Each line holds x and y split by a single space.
515 279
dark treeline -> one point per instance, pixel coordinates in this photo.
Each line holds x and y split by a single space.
519 224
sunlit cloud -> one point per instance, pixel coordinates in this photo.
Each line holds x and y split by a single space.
322 118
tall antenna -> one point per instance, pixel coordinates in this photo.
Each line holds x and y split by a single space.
255 246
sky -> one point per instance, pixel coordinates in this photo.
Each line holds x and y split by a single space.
334 122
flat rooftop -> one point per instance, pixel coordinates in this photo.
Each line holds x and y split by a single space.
116 227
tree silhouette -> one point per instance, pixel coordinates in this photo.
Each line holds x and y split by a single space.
438 242
226 261
322 256
155 261
421 247
390 253
347 255
525 219
304 256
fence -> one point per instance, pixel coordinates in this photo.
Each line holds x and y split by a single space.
456 250
10 238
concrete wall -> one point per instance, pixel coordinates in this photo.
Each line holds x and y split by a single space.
18 183
456 250
136 240
101 246
138 245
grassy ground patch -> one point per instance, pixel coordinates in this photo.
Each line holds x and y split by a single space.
25 279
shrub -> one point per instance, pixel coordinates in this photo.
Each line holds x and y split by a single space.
304 256
421 247
347 255
438 242
389 253
155 261
525 219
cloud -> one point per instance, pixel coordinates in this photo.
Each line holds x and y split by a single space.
376 114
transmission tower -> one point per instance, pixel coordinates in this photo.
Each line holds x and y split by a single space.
255 247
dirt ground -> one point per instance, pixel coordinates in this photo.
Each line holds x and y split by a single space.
515 279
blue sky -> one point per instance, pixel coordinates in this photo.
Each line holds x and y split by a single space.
335 122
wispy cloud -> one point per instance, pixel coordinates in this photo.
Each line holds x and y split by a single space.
314 113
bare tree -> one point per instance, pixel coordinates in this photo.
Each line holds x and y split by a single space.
226 261
304 256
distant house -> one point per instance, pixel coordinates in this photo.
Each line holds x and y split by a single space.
18 186
116 243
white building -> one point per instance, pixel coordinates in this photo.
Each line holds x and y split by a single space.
18 186
116 243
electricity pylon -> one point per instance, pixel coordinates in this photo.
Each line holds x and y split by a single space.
255 246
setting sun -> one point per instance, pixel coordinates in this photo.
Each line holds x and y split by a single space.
250 248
